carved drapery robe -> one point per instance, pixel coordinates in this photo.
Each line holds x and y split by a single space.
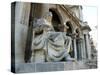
56 45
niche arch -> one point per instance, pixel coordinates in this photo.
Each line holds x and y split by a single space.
57 20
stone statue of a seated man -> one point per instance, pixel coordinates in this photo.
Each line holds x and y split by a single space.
50 45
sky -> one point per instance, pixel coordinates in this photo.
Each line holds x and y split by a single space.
90 15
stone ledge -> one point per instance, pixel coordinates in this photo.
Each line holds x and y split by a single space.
49 66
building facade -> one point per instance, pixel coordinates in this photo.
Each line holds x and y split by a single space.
33 22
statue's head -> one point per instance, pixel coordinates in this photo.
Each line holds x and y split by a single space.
43 23
48 16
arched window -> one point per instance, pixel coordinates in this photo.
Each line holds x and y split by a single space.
56 21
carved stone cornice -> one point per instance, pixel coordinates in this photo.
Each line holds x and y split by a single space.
71 15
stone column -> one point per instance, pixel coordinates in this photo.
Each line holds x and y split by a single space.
77 48
75 51
88 47
40 10
22 12
83 49
45 10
